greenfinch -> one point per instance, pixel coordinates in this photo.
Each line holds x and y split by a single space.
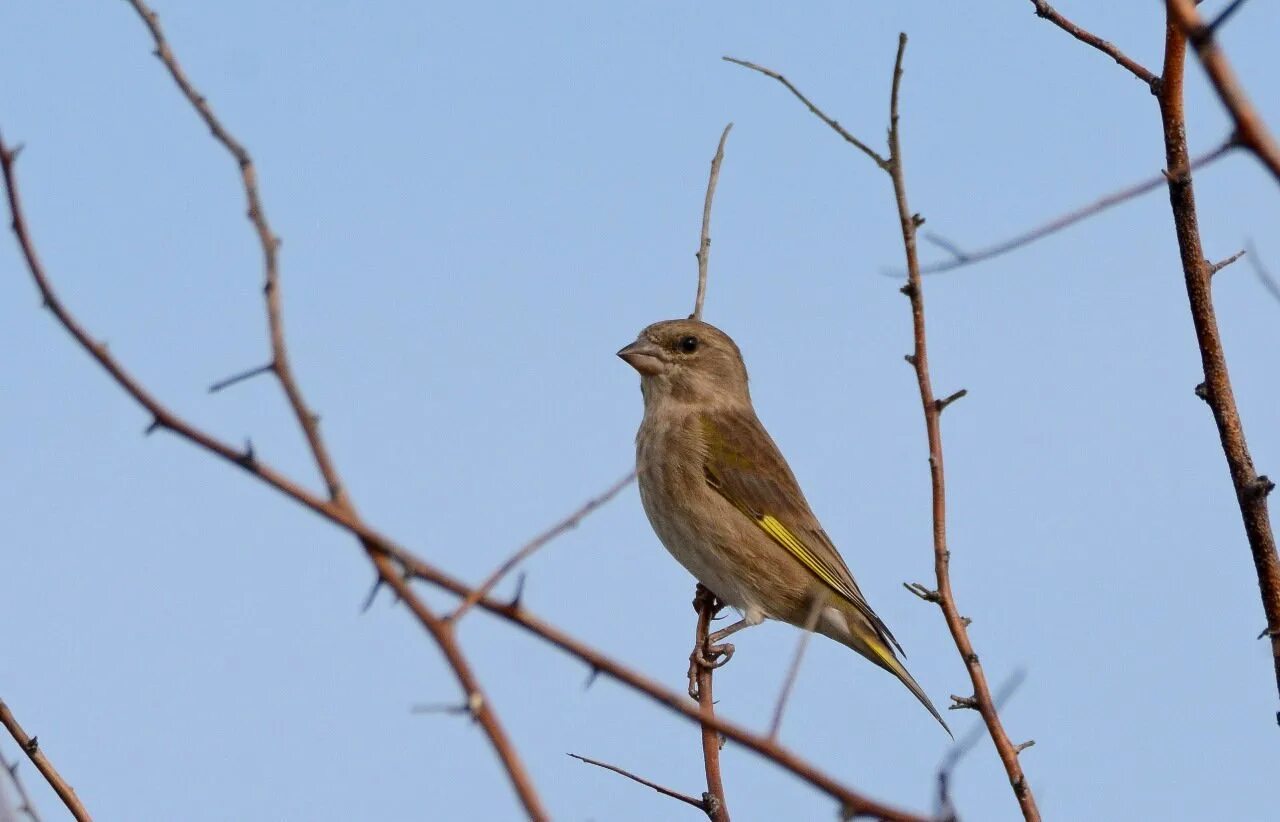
724 502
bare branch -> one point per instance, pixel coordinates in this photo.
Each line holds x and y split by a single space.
241 377
29 745
819 113
963 258
1217 390
1264 276
567 524
1135 68
704 242
26 806
707 606
685 798
1251 131
793 673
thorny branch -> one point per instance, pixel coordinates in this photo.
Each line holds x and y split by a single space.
943 596
1251 488
31 747
412 567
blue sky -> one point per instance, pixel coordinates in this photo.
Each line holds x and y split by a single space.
480 203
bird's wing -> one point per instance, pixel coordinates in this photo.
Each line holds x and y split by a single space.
744 466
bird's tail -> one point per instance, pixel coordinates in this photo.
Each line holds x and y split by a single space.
853 631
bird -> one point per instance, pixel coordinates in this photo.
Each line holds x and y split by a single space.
724 502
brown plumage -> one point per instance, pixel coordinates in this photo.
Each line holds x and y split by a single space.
724 502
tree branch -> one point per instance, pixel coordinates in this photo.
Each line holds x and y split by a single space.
715 804
31 747
1251 131
1048 12
704 241
1251 489
685 798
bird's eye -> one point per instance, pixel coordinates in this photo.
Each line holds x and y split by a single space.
688 344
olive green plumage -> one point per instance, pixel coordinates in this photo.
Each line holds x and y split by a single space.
724 502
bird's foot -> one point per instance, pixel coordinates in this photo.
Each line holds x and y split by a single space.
706 657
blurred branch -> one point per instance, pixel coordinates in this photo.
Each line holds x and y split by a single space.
1264 276
688 800
26 807
963 745
1135 68
1251 131
943 596
704 241
31 747
793 672
962 258
1251 489
404 566
567 524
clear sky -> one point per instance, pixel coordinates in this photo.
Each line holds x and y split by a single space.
480 203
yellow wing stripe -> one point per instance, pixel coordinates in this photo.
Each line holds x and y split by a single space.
781 535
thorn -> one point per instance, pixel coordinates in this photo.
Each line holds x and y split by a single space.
33 745
910 358
514 604
939 405
1202 391
249 459
1266 632
242 376
373 593
917 220
443 708
909 289
966 621
1262 486
963 702
155 426
1214 268
1019 748
592 676
924 593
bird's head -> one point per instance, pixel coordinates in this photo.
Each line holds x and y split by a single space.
688 361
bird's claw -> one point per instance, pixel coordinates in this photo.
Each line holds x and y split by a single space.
706 658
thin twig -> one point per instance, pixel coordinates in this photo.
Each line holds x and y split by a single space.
1214 268
399 558
716 806
26 806
1251 489
793 673
1251 131
567 524
1264 276
1135 68
945 599
819 113
704 241
963 258
35 753
308 422
665 791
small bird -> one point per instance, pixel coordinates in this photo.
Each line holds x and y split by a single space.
724 502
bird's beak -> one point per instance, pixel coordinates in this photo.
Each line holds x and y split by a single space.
643 356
